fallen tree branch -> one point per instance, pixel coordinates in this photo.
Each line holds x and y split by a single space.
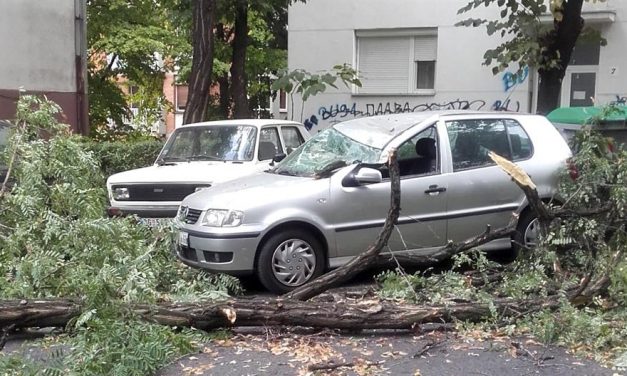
332 365
371 314
365 259
449 250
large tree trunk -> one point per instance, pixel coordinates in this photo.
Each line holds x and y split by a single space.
238 65
223 80
563 40
202 62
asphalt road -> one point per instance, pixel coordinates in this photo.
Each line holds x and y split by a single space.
268 352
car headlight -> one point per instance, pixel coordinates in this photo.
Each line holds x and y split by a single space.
121 193
222 218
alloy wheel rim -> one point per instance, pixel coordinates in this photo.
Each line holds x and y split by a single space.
293 262
530 239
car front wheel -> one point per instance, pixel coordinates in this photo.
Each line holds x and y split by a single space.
289 259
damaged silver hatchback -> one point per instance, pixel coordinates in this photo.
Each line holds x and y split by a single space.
327 201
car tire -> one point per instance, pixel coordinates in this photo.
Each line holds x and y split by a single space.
525 237
289 259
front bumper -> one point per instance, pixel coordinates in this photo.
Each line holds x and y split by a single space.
225 253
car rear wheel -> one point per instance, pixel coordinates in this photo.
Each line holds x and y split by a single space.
289 259
526 236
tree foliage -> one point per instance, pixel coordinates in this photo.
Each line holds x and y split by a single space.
529 42
55 241
306 84
135 41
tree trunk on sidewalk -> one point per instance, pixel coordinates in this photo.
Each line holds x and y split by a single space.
202 62
238 66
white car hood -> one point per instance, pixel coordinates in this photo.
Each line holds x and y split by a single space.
188 172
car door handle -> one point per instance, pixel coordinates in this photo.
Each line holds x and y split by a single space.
435 189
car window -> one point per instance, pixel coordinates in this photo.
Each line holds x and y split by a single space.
419 155
228 143
292 138
472 139
269 144
519 141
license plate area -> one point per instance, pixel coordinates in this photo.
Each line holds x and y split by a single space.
156 222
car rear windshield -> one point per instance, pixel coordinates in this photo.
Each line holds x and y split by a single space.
211 143
328 148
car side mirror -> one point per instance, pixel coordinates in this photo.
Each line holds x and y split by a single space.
367 175
279 157
362 175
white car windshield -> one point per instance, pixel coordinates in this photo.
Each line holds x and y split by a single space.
211 143
328 148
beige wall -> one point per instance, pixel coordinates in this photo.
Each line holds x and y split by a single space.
42 49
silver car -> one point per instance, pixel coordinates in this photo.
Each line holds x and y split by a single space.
327 201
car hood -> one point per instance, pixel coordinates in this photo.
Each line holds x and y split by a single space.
187 172
257 189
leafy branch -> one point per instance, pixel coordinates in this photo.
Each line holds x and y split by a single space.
300 81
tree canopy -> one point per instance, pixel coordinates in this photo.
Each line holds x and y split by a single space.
137 40
530 42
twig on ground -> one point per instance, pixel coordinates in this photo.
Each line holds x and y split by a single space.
4 336
427 346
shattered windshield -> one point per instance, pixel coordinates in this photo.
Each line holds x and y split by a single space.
211 143
328 148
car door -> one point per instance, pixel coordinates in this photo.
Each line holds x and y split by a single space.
361 211
479 192
269 143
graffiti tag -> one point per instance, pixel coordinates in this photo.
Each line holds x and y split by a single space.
620 101
510 80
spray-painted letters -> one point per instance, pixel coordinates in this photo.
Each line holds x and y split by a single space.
510 80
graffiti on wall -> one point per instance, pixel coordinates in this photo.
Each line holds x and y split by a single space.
511 80
342 111
620 101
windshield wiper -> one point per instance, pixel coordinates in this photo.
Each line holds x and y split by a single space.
328 169
284 172
203 158
168 161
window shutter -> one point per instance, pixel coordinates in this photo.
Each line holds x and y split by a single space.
383 64
425 48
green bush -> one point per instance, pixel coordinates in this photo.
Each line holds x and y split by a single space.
118 156
55 242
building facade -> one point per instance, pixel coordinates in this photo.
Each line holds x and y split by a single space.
411 57
44 52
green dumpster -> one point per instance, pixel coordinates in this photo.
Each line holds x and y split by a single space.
569 119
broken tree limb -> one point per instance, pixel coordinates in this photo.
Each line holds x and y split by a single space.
524 182
366 259
370 314
449 250
38 313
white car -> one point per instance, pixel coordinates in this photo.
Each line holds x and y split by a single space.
197 156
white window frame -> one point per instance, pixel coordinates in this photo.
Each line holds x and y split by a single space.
412 79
